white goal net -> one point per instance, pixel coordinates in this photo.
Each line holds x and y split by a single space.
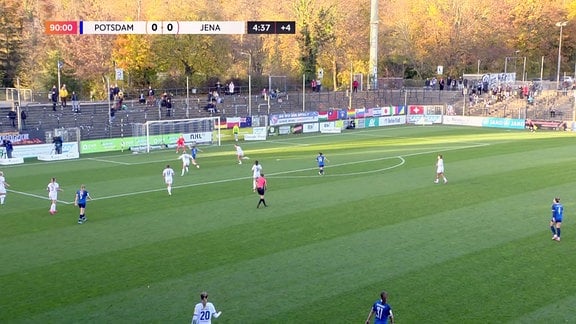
160 134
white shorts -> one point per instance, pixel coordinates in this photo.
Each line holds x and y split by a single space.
168 181
440 170
53 196
3 191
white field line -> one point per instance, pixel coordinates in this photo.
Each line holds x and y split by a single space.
109 161
275 175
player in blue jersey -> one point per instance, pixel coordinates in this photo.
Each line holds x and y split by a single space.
382 310
194 151
321 159
556 221
82 196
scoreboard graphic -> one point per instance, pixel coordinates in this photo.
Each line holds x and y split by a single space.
168 27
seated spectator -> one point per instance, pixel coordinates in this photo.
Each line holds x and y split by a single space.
142 99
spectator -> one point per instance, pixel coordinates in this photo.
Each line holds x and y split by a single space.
75 102
54 97
218 87
355 86
318 85
142 99
168 106
231 88
313 85
23 117
12 115
151 98
264 94
63 95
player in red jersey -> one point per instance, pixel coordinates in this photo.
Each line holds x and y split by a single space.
180 144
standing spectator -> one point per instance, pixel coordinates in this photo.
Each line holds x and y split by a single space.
168 106
75 102
204 311
442 84
382 310
313 85
82 196
440 169
12 116
556 221
168 175
261 186
318 85
53 188
142 99
63 95
54 97
23 117
218 87
355 85
3 185
264 94
231 88
151 98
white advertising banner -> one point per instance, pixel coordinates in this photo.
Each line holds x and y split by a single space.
34 150
258 134
311 128
200 138
331 127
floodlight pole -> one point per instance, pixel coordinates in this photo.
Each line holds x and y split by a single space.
249 82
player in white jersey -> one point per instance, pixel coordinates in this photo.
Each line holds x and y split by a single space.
53 188
3 185
256 170
440 169
239 153
186 158
204 311
168 175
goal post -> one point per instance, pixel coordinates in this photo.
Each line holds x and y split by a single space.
159 134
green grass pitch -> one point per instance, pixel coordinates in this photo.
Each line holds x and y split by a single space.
475 250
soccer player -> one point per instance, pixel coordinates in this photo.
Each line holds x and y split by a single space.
204 311
186 158
236 131
556 221
261 186
168 175
440 169
3 185
256 170
82 196
239 153
53 188
321 159
180 144
382 310
194 151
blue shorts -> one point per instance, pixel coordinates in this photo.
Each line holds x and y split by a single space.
82 205
260 191
556 219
